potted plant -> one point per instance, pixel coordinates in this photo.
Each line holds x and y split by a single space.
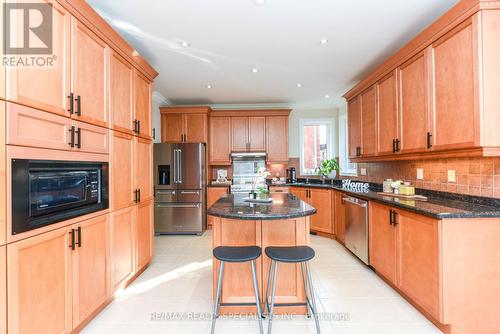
259 183
329 168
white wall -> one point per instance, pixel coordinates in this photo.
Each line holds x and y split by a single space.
157 101
294 128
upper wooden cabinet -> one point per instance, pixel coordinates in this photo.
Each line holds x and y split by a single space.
277 139
121 94
220 140
447 96
184 124
142 97
122 179
248 134
369 122
354 125
143 168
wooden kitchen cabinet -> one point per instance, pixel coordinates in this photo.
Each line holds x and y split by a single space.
322 221
143 167
92 139
354 126
213 195
144 234
279 190
123 232
277 139
418 261
239 134
89 74
339 212
388 118
49 89
257 133
91 267
122 178
248 134
142 98
3 290
383 242
121 94
184 124
220 140
455 73
39 284
369 122
301 193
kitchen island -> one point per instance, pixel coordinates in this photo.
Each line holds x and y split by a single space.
236 222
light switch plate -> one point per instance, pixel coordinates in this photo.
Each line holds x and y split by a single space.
452 177
363 171
420 174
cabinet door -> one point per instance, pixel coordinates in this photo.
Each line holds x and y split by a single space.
214 193
3 290
354 126
388 123
172 128
93 139
143 167
321 199
89 70
31 127
49 88
455 97
419 252
196 128
382 241
277 139
142 88
121 94
257 133
414 104
91 268
339 218
122 170
39 283
122 246
368 122
301 193
239 133
220 141
144 235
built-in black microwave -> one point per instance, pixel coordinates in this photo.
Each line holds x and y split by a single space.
46 192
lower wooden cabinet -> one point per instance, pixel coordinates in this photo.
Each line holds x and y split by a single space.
279 190
339 212
322 221
144 234
91 268
213 194
122 246
382 241
3 291
40 283
301 193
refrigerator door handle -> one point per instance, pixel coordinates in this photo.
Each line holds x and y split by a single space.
190 192
180 166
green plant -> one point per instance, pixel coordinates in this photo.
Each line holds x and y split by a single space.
327 167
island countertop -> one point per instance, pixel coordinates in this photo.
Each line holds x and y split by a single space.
284 206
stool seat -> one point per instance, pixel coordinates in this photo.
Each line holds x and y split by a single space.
294 254
237 253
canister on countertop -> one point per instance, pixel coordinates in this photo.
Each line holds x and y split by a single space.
407 189
387 188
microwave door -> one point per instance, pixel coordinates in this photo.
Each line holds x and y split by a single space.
190 166
164 166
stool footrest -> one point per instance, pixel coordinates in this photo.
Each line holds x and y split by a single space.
238 304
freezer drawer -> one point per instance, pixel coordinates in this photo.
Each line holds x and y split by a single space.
179 218
165 195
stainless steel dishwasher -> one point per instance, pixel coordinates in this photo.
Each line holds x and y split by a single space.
356 226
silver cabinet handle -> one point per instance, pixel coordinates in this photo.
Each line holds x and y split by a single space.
178 205
351 201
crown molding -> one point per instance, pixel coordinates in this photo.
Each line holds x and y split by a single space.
160 99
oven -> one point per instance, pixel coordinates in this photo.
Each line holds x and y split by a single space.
47 192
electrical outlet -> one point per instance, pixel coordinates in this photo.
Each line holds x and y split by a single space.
420 174
452 177
363 171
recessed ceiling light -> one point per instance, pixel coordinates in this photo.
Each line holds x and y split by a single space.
255 70
299 85
327 96
135 53
260 2
209 86
323 41
184 44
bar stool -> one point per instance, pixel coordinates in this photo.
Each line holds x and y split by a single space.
237 255
296 254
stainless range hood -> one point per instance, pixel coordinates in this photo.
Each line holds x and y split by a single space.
248 155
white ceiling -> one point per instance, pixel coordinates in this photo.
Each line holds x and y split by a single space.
281 38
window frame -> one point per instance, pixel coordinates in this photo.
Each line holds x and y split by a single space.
344 148
329 133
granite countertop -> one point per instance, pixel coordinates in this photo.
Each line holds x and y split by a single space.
284 206
440 205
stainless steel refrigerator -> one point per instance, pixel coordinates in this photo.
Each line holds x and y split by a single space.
179 188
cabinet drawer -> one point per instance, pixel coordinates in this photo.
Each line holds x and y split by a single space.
93 138
31 127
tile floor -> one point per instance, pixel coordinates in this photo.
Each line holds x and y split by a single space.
179 280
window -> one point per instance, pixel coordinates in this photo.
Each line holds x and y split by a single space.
315 144
346 167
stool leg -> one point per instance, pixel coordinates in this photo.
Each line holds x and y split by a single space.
304 280
313 299
217 296
266 302
257 298
272 297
